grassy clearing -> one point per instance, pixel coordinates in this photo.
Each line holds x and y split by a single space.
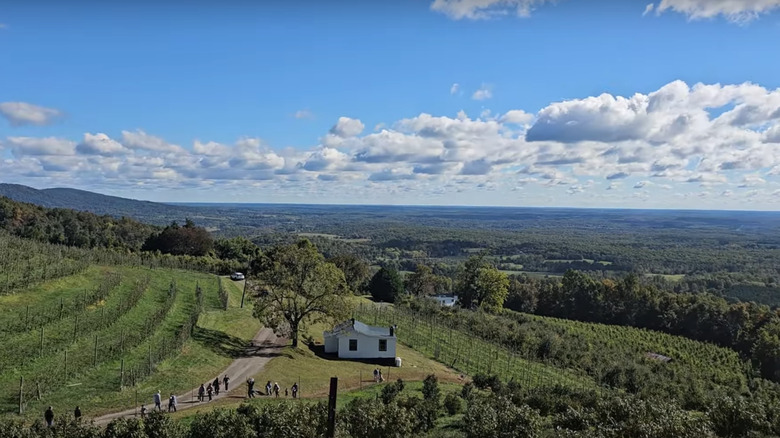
313 371
669 277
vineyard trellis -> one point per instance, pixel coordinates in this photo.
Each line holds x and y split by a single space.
125 347
468 353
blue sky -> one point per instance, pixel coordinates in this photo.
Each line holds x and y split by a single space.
474 102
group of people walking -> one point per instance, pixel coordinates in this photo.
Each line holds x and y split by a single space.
48 416
270 389
213 388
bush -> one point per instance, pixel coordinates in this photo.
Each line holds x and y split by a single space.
499 417
452 404
467 390
431 389
221 423
287 420
367 418
391 390
484 381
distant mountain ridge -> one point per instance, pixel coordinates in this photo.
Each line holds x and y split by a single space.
147 211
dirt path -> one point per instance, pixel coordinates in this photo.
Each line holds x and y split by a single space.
265 346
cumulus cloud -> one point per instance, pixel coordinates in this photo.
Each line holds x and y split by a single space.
143 141
347 127
483 93
518 117
454 88
648 9
99 144
23 113
679 137
483 9
737 11
22 146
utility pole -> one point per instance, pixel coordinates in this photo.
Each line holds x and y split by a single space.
243 294
334 385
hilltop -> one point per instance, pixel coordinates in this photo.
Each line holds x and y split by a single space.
97 203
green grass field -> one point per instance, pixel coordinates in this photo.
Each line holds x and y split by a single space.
93 381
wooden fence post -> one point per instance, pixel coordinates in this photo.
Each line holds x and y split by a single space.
94 360
122 374
21 395
41 351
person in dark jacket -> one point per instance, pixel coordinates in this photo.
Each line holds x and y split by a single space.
201 392
77 413
216 386
49 416
226 380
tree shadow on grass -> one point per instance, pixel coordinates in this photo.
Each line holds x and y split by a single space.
221 343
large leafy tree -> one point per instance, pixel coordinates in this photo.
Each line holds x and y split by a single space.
386 285
298 287
479 284
423 282
355 271
177 240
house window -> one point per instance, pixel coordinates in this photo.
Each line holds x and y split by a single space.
353 345
383 345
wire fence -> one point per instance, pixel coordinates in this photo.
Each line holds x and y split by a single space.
467 352
126 345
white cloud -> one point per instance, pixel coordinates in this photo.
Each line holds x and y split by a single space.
347 127
482 9
23 113
143 141
648 9
737 11
304 114
672 144
483 93
99 144
518 117
21 146
454 88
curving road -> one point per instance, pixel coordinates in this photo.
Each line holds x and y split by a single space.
264 347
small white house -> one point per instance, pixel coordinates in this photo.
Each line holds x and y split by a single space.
446 300
355 340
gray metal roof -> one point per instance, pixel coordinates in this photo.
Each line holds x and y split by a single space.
359 327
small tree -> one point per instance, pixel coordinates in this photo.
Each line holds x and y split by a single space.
298 287
386 285
431 389
452 404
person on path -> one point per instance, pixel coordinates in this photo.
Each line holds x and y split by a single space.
49 416
216 386
286 393
268 388
77 413
250 387
295 390
143 411
276 389
381 379
376 374
172 403
157 401
226 380
209 390
201 392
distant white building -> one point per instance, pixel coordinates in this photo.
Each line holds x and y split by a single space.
355 340
446 300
